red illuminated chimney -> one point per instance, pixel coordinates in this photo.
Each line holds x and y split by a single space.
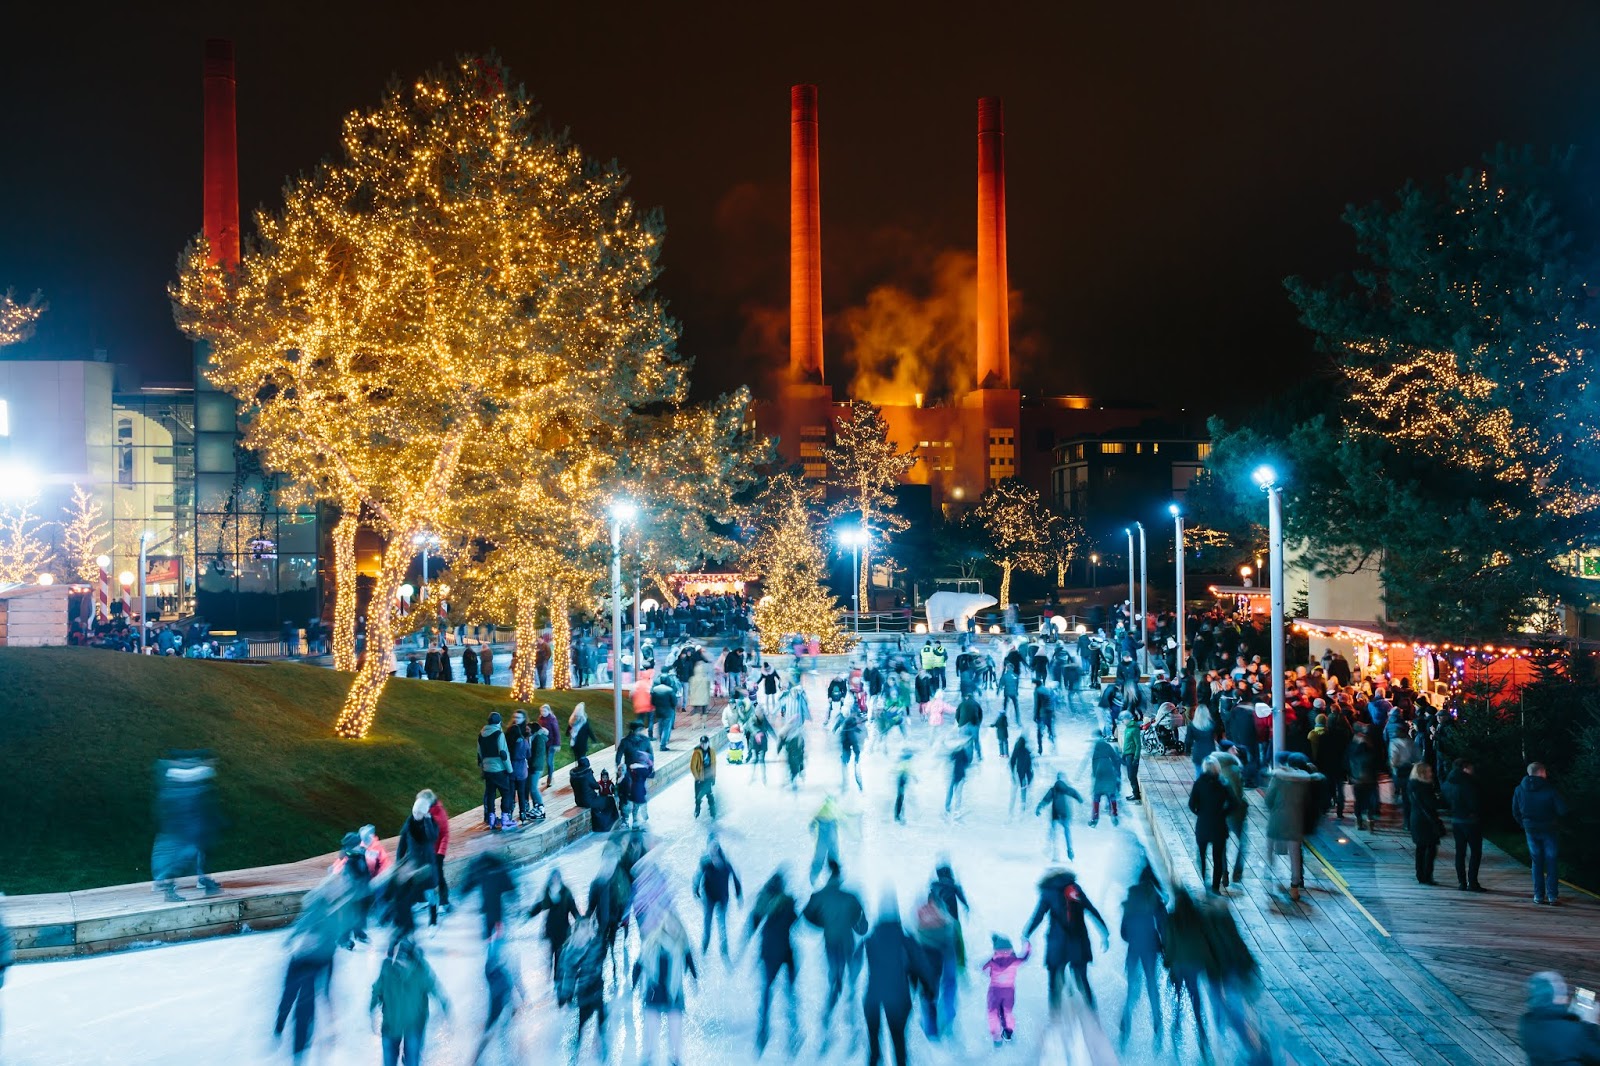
805 239
994 320
220 203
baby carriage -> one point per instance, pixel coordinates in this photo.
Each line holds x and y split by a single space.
1159 734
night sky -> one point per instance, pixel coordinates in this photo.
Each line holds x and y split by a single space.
1167 164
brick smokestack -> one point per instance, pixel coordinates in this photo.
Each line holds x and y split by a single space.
805 239
994 320
220 202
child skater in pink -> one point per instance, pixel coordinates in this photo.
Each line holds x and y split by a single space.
1002 969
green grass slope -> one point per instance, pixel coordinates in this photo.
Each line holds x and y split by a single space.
80 731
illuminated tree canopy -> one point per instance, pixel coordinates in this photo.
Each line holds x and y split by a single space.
1021 531
865 467
788 552
18 317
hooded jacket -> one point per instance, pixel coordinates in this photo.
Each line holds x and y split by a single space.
1288 803
1466 802
1537 806
1061 898
493 756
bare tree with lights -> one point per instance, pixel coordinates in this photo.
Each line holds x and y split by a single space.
25 547
865 466
83 534
460 276
19 317
1019 528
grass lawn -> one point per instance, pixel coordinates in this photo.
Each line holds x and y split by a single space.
80 731
1513 842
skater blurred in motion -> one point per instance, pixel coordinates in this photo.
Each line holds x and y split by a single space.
1231 772
960 756
1021 773
1059 798
415 875
1188 955
402 992
904 777
1010 683
712 881
1044 716
313 943
1211 802
825 826
1002 969
1105 767
838 690
635 765
894 965
610 893
850 728
1144 920
936 935
1067 942
356 875
703 768
490 875
773 915
187 821
580 981
505 996
1293 807
838 913
1002 733
560 911
664 959
946 891
969 720
1233 979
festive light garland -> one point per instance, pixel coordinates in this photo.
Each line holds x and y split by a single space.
788 552
865 467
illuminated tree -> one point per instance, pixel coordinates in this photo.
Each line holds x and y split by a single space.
18 318
1067 541
83 535
459 277
788 552
865 467
1019 528
25 549
1459 456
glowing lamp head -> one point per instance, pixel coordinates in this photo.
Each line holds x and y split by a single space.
1172 509
103 561
855 536
1094 557
406 591
1265 476
624 510
47 579
126 577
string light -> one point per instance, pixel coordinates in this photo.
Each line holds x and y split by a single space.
789 553
865 467
1019 527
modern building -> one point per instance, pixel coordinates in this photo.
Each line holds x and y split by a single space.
964 442
1117 474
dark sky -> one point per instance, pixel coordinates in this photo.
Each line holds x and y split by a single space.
1168 164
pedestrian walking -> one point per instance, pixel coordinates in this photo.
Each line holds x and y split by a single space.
712 882
1002 969
1538 808
1231 772
187 823
1427 828
1210 801
486 662
401 995
1362 761
1058 797
552 729
1289 808
469 664
703 768
1067 940
1466 823
1202 736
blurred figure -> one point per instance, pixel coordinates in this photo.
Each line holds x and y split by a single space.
1021 772
1067 942
711 883
581 982
774 915
187 820
1059 799
312 945
894 964
664 959
490 875
402 992
1144 924
838 914
1002 969
441 823
825 824
414 876
1550 1032
505 995
560 911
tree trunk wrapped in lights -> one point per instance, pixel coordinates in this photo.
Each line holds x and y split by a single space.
459 277
344 598
560 644
524 669
1018 528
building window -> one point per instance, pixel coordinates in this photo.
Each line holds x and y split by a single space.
1202 450
1113 449
816 471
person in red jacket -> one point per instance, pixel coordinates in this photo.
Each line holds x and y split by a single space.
437 812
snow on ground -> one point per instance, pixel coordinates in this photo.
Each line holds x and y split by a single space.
212 1002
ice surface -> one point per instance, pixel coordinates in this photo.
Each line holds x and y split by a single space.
212 1002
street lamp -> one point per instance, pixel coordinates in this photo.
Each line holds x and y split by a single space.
1094 570
1244 575
1267 478
855 536
1129 531
145 537
621 511
1144 600
1177 530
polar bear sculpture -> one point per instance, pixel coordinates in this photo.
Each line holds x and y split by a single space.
957 607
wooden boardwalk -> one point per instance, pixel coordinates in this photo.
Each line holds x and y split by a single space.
1370 966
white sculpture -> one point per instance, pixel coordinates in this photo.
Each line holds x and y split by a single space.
957 607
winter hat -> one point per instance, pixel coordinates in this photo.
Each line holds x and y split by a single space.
494 717
368 832
1000 943
350 841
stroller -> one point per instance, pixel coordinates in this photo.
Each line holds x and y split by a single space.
1159 734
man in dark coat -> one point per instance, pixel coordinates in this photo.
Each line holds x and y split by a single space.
1550 1033
894 964
1331 756
711 886
1241 730
838 913
773 915
1538 808
1466 822
1211 802
1067 943
1144 922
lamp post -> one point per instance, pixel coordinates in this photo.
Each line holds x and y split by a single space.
144 543
1094 570
855 536
1129 532
1177 532
621 511
1267 478
1144 600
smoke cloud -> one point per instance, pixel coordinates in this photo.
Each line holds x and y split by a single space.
905 339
